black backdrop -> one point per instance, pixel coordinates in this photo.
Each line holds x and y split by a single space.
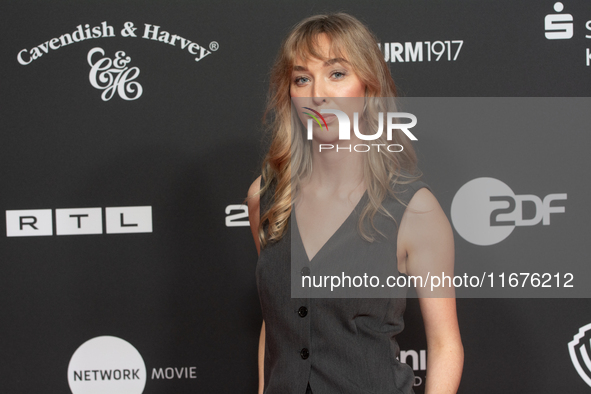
184 293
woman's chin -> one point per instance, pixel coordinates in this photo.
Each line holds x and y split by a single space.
334 142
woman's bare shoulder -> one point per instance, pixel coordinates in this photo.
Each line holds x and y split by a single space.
423 216
253 190
425 234
254 210
423 201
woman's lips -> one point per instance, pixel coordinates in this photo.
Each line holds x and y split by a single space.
329 118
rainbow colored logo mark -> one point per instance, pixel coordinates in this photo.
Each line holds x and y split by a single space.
315 118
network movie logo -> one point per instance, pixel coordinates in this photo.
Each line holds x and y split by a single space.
559 26
580 352
113 75
107 364
485 210
344 124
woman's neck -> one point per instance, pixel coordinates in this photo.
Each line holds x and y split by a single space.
338 172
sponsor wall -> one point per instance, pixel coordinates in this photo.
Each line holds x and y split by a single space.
132 132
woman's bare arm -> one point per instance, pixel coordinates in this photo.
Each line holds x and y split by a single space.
427 245
254 218
262 359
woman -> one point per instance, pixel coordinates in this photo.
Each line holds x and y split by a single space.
342 345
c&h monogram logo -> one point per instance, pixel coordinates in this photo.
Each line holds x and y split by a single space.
113 75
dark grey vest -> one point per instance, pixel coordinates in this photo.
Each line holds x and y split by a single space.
338 345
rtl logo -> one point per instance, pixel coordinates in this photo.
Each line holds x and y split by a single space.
78 221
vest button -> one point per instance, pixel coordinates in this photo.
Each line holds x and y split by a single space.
303 311
304 353
305 271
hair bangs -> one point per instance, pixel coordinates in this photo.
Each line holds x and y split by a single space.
306 47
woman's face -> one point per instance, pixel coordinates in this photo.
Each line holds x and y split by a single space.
317 78
330 84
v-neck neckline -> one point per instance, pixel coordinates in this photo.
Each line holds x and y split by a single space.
351 214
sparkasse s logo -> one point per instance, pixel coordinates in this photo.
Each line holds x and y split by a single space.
485 211
558 26
580 352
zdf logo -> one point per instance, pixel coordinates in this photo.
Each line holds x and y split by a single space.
485 210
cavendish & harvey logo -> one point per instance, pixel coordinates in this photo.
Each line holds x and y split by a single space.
113 75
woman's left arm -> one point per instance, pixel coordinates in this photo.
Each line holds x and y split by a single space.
426 245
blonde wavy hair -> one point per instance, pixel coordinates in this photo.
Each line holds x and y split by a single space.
289 159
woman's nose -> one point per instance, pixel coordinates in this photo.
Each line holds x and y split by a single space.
318 100
319 93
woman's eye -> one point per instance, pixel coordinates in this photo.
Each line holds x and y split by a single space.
300 80
338 74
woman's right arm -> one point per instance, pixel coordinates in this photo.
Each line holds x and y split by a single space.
254 216
262 359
